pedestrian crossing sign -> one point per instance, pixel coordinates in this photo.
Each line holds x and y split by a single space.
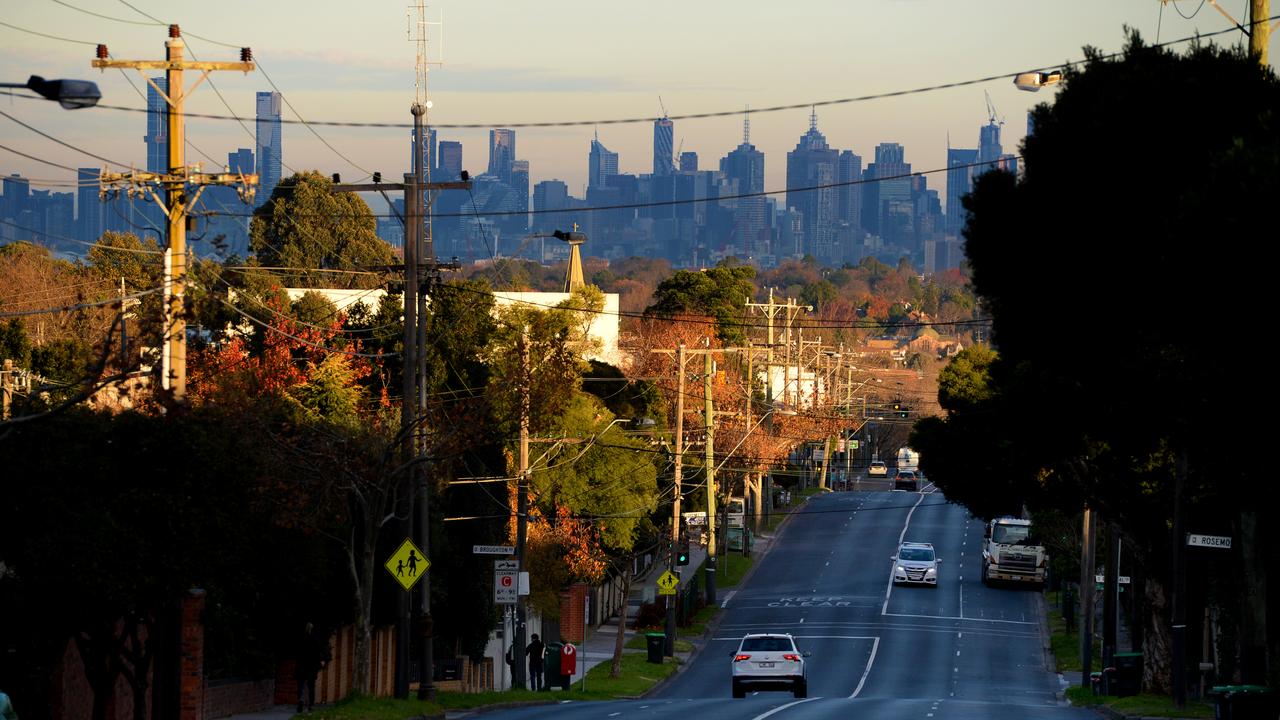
667 583
408 564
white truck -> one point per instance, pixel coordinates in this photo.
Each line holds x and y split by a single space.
1010 553
908 459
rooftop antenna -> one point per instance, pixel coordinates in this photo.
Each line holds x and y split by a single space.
813 117
746 126
664 107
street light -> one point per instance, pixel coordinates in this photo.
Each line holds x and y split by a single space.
70 94
1033 81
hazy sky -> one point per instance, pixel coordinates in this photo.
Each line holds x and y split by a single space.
509 61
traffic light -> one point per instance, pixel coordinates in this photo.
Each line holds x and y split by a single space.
900 410
682 554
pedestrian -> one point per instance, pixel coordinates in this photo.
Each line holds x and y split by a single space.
535 651
313 654
6 708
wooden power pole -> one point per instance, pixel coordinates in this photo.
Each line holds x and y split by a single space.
172 190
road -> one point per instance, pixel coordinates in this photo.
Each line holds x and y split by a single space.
961 650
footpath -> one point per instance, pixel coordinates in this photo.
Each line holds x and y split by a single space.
601 641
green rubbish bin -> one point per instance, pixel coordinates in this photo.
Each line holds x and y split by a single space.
551 667
1243 702
655 643
1126 679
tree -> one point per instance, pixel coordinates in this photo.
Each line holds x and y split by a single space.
308 229
721 292
1109 416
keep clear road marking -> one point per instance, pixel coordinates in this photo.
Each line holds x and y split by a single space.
780 708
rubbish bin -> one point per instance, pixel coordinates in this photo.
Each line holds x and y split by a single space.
1127 677
1095 682
656 643
1243 702
551 667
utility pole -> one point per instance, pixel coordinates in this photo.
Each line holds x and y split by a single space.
1110 600
1260 32
675 503
173 186
709 415
1086 597
522 509
1179 600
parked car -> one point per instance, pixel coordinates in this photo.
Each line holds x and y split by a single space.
877 468
916 564
769 661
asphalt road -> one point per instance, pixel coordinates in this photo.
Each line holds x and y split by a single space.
960 650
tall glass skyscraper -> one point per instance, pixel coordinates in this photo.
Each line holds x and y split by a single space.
663 147
269 151
502 153
600 164
744 167
157 137
88 206
813 165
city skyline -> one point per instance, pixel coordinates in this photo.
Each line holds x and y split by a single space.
485 79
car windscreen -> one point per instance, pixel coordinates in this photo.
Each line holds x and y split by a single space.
916 554
767 644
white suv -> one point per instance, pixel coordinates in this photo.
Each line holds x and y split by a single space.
877 468
916 564
771 661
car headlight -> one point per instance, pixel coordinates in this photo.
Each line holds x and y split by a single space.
902 570
931 571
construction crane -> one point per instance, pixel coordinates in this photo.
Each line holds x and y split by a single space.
992 118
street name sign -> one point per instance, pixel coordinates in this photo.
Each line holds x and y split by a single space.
493 550
667 583
1123 579
1212 541
407 564
505 582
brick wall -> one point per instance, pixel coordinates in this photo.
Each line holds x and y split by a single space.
334 682
572 619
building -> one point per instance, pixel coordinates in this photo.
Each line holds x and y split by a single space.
502 153
663 147
390 226
811 177
269 151
450 167
157 137
520 189
959 182
228 225
743 168
601 164
688 161
88 205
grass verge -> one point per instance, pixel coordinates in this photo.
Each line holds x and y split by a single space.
699 625
1141 705
637 642
634 679
1065 645
730 569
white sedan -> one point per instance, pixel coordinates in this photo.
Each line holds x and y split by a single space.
877 468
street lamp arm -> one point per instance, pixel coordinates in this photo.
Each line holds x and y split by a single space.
70 94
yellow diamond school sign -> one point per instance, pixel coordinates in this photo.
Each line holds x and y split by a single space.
407 564
667 583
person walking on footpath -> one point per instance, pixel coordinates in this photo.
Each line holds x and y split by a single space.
313 654
535 651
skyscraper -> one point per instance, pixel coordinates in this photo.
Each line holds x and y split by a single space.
959 183
663 147
502 153
269 151
887 208
88 206
157 137
849 194
450 167
744 167
520 186
688 161
600 164
811 165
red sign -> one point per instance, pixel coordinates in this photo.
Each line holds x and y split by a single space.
506 581
568 659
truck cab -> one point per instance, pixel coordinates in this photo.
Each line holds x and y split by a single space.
1011 553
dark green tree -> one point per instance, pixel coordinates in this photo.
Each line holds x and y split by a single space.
719 292
309 229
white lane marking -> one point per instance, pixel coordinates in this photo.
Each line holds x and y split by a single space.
962 600
957 653
727 595
827 563
884 610
801 621
949 617
614 714
780 708
870 661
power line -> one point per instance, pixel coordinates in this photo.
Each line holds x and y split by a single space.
79 306
648 119
63 143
